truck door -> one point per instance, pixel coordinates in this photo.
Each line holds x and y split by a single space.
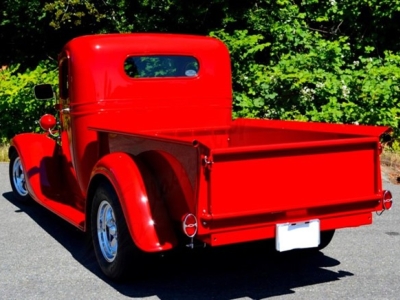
64 104
65 132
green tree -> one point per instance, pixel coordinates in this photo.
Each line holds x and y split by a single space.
332 61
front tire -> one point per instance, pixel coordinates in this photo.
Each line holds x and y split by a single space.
112 242
18 178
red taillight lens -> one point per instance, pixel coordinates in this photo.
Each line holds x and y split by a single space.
189 225
387 200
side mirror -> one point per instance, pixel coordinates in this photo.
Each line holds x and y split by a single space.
43 92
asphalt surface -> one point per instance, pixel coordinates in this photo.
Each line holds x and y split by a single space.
43 257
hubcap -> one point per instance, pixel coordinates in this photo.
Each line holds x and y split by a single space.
107 231
19 177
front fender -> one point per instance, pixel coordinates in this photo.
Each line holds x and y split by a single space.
38 155
145 214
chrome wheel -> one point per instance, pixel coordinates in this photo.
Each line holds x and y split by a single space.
107 231
113 245
18 177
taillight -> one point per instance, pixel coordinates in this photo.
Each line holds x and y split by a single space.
387 201
189 225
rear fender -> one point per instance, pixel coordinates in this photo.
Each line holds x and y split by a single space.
174 182
145 214
39 158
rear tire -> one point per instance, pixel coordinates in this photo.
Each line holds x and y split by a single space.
113 245
326 238
17 176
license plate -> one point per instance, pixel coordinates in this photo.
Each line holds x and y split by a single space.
298 235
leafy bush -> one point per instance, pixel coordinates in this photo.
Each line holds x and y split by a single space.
19 109
323 82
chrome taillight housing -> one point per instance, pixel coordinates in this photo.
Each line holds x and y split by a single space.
387 201
189 225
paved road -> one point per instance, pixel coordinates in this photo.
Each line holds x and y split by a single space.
42 257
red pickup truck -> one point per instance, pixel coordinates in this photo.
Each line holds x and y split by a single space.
145 156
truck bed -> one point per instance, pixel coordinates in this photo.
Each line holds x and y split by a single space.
271 169
254 174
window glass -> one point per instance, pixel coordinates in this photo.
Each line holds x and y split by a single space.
161 66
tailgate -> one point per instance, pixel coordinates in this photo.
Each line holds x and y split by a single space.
274 178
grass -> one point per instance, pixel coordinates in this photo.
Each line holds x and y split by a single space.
4 152
390 164
390 158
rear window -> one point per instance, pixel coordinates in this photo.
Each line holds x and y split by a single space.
161 66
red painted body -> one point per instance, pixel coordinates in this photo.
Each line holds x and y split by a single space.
169 148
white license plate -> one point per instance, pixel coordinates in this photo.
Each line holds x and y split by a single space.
298 235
